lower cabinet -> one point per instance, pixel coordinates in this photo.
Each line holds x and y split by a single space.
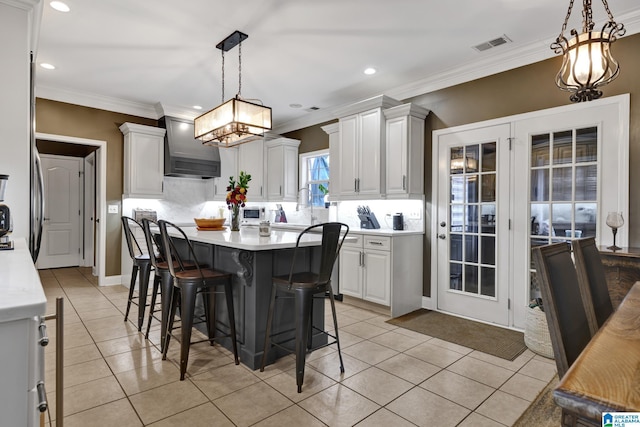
385 270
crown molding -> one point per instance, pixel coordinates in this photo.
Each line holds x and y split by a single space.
22 4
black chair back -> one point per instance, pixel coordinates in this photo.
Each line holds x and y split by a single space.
561 297
154 244
132 243
171 253
593 281
333 235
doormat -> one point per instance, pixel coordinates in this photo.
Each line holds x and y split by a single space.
543 411
500 342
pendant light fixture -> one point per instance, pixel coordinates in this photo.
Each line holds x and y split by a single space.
233 122
587 62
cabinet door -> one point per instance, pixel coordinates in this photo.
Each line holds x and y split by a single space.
377 277
369 155
251 161
350 271
290 179
348 153
396 143
228 168
275 173
145 163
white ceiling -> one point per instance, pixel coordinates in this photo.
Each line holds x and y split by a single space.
156 57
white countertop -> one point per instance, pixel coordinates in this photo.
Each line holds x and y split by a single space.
249 239
21 293
353 230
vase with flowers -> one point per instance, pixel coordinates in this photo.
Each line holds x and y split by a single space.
237 197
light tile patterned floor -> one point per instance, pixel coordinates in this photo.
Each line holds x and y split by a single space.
394 377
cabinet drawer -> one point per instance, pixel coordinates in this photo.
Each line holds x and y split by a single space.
377 242
354 243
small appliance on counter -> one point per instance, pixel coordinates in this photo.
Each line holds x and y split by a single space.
367 218
252 215
398 221
140 214
5 217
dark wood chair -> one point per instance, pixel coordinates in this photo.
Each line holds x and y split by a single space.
593 282
303 287
188 283
141 269
566 316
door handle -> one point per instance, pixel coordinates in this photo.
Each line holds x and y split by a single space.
443 224
442 236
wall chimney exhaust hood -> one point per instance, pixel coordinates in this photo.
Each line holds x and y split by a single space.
185 156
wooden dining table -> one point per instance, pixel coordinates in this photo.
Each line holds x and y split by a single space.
606 376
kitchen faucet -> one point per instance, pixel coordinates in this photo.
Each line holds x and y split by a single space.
313 218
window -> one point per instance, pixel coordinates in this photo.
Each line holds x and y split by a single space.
314 175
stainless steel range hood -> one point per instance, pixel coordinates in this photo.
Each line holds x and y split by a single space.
185 156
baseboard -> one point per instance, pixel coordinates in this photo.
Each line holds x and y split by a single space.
111 281
357 302
427 303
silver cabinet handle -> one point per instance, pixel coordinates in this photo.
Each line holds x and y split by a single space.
42 329
355 185
280 191
373 242
215 189
404 182
42 397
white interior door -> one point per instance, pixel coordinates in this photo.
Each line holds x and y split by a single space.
61 229
473 223
89 210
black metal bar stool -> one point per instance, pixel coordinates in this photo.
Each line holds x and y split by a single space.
162 282
305 286
189 283
141 268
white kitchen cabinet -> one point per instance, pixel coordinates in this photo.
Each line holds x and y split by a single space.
228 168
251 159
361 149
143 161
386 270
404 177
282 169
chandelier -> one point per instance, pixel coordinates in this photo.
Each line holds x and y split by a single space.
235 121
587 62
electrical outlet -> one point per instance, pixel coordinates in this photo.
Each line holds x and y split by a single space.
414 215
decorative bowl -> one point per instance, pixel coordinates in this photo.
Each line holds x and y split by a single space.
209 222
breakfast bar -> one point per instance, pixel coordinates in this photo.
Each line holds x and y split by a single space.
253 260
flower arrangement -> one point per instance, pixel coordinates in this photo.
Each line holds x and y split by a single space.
237 197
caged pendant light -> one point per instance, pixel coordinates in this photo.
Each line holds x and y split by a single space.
235 121
587 63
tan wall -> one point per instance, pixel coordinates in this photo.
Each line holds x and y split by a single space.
82 122
312 138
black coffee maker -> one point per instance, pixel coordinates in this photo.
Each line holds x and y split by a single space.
5 217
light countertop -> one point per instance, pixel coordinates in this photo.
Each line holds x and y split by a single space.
21 293
352 230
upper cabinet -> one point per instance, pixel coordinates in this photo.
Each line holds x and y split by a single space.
405 151
251 161
228 168
282 170
369 135
143 161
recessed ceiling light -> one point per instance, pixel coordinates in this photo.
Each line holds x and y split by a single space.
295 105
369 71
47 66
60 6
197 107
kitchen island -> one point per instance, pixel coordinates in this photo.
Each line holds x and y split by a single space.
253 260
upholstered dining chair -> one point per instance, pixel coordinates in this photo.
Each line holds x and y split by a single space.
187 284
593 282
561 296
303 288
141 269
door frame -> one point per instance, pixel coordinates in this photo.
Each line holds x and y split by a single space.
101 195
623 104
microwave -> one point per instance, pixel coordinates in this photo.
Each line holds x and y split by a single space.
252 214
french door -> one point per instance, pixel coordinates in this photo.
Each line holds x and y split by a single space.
505 186
473 222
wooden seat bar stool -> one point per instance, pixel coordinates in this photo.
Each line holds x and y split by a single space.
141 269
303 287
163 282
187 284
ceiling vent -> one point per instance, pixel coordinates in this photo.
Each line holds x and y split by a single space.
312 109
492 43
